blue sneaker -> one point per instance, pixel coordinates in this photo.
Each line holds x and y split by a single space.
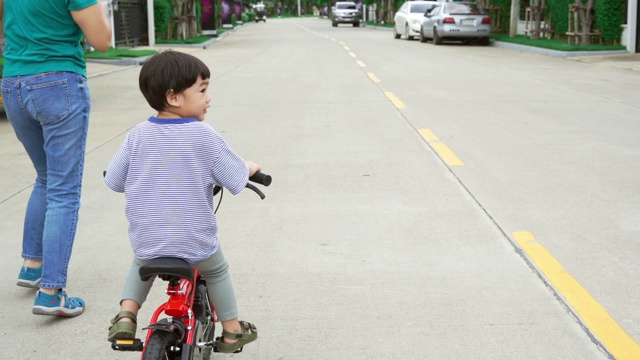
30 277
59 304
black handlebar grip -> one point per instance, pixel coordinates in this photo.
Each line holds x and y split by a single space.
261 178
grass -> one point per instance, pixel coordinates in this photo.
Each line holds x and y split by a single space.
116 54
192 40
552 44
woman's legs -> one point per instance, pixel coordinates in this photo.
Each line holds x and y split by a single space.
50 115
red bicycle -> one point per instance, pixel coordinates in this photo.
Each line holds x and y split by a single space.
187 330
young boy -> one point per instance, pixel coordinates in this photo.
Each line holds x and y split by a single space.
167 168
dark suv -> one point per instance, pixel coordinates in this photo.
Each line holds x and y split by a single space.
345 12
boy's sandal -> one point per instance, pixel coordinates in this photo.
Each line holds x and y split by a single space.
249 333
122 329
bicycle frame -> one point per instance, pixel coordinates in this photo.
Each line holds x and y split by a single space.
179 307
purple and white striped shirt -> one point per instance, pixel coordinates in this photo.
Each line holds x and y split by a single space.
167 169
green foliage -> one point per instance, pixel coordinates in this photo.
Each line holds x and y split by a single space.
609 17
559 15
199 16
162 13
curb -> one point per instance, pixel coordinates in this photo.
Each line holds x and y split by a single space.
122 64
554 53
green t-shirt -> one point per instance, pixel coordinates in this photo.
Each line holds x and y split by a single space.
41 36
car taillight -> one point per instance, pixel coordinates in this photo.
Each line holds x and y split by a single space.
486 20
449 20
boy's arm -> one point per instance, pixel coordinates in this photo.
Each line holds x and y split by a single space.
116 175
253 167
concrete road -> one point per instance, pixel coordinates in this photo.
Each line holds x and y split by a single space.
373 242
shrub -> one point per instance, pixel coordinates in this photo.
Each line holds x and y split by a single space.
162 13
609 17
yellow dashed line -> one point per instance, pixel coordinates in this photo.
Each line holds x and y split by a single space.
373 77
360 63
428 135
594 316
397 102
346 48
352 54
445 153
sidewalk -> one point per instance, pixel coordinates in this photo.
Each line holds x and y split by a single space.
103 67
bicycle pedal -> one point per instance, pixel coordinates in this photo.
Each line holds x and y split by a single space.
127 344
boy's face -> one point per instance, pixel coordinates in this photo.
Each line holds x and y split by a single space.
194 101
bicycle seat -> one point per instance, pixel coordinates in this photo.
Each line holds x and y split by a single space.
166 266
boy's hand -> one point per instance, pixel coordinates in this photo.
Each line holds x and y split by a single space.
253 167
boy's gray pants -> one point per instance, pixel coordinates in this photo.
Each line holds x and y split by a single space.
215 271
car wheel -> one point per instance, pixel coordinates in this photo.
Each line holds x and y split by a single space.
356 24
406 33
484 41
436 38
395 33
334 24
422 38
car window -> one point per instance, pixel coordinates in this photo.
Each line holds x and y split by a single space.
346 6
433 11
420 8
462 9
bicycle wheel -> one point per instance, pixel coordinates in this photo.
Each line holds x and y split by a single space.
157 348
205 327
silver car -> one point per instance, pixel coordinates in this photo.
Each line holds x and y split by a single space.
345 12
408 18
460 21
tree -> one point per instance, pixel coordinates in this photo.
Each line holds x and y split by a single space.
183 20
586 18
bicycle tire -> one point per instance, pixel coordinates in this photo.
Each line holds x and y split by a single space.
156 347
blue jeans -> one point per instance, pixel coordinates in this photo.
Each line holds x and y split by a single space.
49 113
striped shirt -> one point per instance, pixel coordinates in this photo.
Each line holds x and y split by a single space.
167 169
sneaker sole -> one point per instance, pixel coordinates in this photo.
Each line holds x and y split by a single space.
29 284
57 311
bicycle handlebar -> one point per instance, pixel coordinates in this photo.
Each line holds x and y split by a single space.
261 178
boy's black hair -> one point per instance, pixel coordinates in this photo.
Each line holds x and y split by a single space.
169 70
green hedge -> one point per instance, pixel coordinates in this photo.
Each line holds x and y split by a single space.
559 15
609 17
162 13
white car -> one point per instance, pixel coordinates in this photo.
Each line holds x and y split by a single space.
409 18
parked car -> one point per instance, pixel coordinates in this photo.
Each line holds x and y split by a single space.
345 12
460 21
408 18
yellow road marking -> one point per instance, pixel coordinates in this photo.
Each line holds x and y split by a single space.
346 48
394 100
594 316
360 63
373 77
352 54
341 43
445 153
428 135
